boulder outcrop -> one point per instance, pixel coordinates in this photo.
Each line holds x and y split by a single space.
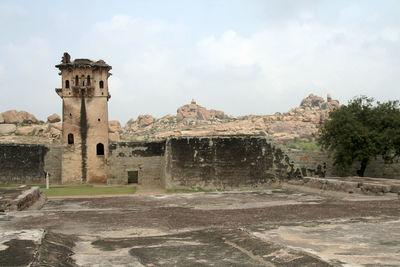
144 120
15 117
26 117
191 120
195 120
114 126
53 118
7 129
194 111
312 101
11 117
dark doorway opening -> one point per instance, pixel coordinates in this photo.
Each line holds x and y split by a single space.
70 139
100 149
133 177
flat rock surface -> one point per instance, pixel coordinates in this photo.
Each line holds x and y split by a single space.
266 228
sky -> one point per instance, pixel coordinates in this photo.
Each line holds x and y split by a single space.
239 56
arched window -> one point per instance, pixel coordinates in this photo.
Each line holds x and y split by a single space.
88 80
101 84
70 139
76 80
99 149
66 83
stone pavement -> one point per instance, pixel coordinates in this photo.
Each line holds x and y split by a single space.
276 227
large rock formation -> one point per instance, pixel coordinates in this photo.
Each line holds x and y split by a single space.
195 120
23 127
194 111
316 101
191 120
114 130
312 101
144 120
14 117
7 129
26 117
53 118
11 116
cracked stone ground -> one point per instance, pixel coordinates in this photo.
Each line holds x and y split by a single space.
267 228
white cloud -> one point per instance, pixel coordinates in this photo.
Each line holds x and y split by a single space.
127 24
159 65
299 58
267 71
147 64
30 77
229 50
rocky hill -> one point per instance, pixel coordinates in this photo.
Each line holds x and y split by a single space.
23 127
190 120
195 120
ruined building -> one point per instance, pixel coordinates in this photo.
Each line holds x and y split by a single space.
85 97
86 155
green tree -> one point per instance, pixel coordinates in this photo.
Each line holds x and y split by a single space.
361 131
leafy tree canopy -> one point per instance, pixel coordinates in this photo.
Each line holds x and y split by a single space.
361 131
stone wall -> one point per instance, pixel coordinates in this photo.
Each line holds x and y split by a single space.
310 163
320 164
376 168
22 163
28 163
52 163
141 157
217 162
224 162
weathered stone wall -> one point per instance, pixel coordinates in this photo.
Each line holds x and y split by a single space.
320 164
22 163
218 162
376 168
28 163
310 163
223 162
52 163
145 158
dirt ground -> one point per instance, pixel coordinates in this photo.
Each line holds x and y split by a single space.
276 227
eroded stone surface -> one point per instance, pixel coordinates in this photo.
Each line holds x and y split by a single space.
354 244
17 248
273 227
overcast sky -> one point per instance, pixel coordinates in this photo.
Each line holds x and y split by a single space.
239 56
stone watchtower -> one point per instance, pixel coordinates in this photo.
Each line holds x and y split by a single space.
85 120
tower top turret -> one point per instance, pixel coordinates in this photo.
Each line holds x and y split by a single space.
81 63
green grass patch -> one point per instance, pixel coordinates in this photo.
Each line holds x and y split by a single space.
191 190
66 190
88 190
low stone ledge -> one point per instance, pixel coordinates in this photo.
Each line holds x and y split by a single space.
344 186
375 188
395 189
26 199
355 185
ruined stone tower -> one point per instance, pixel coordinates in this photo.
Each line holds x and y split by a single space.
85 120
